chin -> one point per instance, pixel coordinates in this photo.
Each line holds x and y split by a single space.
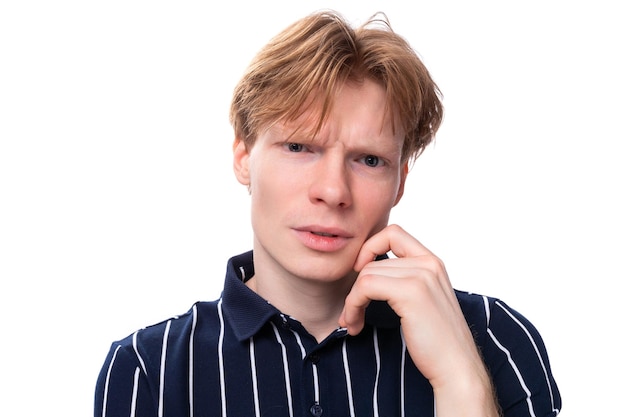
323 269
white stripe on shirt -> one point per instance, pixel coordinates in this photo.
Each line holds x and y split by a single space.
106 384
285 369
377 352
516 370
191 337
162 371
402 382
133 403
220 358
143 365
532 341
255 382
487 309
316 383
346 370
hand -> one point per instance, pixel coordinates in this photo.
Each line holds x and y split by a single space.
417 288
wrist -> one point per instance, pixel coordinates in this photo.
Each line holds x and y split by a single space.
466 395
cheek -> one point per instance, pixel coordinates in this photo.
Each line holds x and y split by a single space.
269 188
376 203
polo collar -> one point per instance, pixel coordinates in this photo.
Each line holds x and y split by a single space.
247 312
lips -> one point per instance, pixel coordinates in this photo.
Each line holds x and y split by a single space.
323 239
325 231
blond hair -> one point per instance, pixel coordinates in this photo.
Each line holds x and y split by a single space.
314 56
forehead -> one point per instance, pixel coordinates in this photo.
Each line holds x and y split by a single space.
358 110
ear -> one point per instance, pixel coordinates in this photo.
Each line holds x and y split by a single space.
403 175
241 157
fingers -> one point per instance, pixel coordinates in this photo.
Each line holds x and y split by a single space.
404 283
416 286
417 273
384 280
392 238
368 287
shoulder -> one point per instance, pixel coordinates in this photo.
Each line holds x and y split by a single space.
476 309
152 337
492 318
514 353
483 309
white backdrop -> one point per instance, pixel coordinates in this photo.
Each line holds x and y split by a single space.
119 207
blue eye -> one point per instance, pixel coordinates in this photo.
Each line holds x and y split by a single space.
295 147
371 160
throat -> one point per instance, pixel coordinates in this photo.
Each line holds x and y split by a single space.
316 306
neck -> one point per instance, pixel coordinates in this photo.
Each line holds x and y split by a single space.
317 305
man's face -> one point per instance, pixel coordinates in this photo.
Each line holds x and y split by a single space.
316 200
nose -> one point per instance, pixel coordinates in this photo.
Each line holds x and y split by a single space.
330 183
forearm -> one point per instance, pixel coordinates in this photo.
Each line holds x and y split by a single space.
468 395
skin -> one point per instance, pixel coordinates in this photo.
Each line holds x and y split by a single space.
320 209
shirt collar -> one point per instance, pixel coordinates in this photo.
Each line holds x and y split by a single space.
248 312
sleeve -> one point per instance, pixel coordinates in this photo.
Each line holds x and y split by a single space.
518 361
122 387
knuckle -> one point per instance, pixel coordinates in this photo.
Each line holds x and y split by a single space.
366 280
395 229
433 263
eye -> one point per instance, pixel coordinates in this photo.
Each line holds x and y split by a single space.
295 147
371 160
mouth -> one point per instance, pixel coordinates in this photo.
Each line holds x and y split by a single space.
323 239
324 234
325 231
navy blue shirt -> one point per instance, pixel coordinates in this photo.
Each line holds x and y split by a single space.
239 356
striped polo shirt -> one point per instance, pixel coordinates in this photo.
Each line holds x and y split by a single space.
239 356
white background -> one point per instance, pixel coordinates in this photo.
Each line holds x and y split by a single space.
118 206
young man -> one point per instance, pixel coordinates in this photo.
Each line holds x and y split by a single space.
317 319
